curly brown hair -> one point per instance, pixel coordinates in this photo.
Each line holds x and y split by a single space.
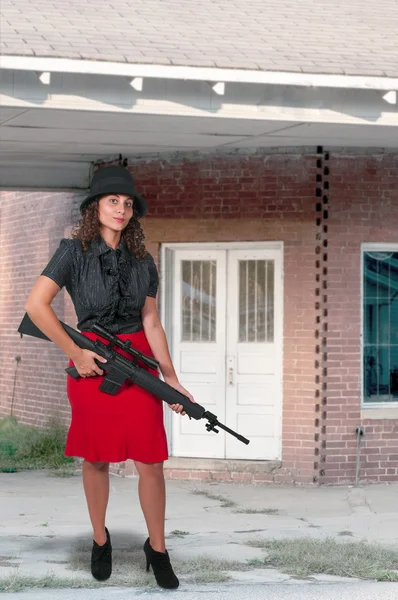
88 229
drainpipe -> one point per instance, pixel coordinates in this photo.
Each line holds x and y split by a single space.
359 433
18 360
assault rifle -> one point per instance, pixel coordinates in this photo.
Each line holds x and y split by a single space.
120 369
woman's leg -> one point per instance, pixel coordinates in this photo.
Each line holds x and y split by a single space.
152 493
96 488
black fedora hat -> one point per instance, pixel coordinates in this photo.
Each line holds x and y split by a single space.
114 180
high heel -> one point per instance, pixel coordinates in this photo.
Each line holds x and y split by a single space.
101 559
161 566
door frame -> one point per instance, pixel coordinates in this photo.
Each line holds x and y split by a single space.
166 277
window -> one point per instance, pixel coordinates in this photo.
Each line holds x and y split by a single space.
380 326
256 301
199 279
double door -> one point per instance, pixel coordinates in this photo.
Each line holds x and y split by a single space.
224 326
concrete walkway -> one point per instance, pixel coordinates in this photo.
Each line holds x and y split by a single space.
335 591
45 530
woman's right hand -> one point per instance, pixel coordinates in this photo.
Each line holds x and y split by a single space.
85 364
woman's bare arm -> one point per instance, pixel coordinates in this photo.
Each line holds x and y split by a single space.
38 306
157 340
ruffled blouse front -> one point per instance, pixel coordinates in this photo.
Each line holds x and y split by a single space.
107 286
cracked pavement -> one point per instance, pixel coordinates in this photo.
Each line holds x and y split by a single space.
42 518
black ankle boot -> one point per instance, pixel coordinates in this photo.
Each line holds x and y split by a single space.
101 559
162 569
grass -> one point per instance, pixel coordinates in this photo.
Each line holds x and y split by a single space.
257 511
225 502
179 533
305 557
300 558
64 473
128 571
18 583
256 562
23 447
128 567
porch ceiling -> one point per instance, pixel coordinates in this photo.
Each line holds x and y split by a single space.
50 139
50 135
89 136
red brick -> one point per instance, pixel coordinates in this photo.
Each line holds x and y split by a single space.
242 477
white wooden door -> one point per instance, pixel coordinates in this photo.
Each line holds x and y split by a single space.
254 337
226 339
198 332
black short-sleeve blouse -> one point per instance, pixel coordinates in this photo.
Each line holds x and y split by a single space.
107 286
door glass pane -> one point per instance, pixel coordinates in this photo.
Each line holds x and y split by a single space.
198 300
380 326
256 301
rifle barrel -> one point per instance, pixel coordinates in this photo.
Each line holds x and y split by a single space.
234 433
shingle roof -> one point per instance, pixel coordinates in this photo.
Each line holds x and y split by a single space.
352 37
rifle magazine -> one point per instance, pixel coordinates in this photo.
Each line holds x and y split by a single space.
109 387
73 372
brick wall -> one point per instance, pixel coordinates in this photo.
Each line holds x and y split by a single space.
31 226
364 208
242 198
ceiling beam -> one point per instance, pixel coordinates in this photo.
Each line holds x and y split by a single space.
44 175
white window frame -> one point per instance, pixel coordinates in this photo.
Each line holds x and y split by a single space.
373 407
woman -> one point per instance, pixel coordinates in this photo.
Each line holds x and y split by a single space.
113 281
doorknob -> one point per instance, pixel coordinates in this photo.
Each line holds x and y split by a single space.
231 368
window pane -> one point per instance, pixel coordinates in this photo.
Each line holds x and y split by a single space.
394 372
370 317
371 373
256 301
384 376
370 278
198 301
380 326
394 320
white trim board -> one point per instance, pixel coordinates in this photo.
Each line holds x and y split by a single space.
272 245
369 406
65 65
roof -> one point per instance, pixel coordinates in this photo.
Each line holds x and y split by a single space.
348 37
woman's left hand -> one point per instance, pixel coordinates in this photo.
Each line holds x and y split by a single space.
178 408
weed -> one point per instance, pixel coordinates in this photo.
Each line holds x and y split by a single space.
24 447
305 556
257 511
225 502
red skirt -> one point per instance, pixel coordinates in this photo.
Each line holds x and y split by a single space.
107 428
